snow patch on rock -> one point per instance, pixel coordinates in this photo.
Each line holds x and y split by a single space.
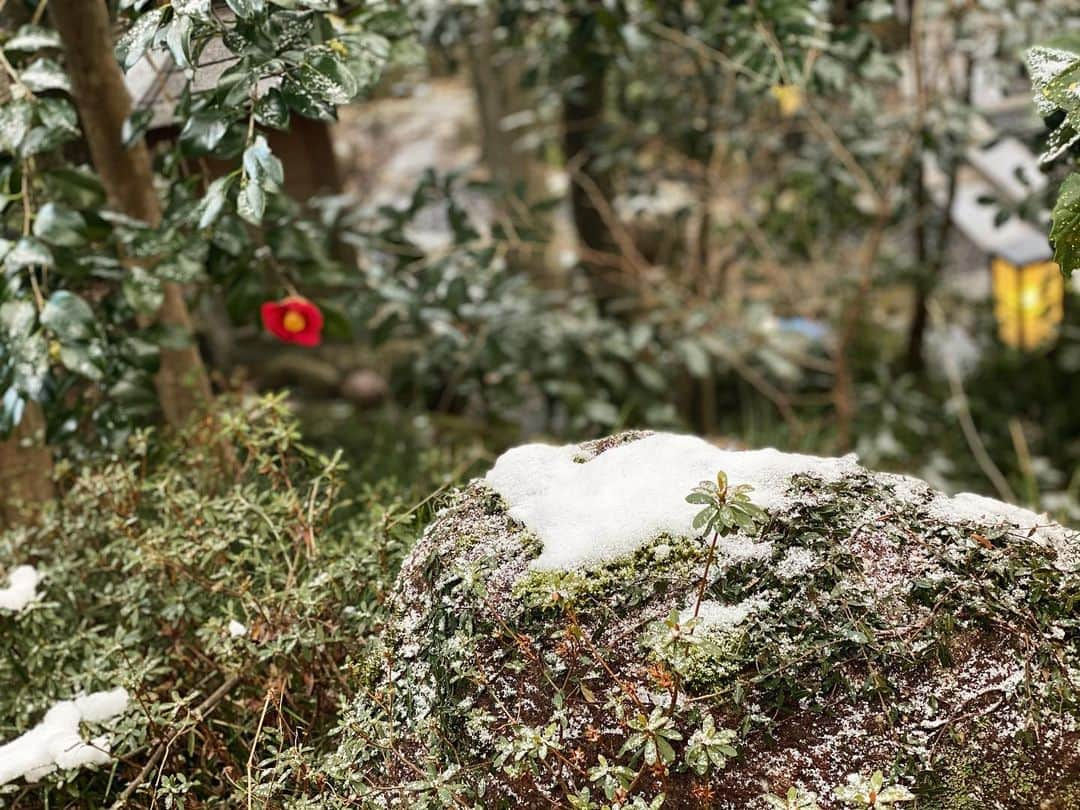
22 588
55 742
968 507
607 507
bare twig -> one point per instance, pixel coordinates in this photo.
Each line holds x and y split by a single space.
200 712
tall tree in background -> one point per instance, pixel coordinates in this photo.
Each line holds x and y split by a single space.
592 185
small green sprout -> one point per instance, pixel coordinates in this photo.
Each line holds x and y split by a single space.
794 799
727 509
872 792
710 747
652 738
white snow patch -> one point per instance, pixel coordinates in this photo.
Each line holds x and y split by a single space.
605 508
720 618
236 629
22 588
795 563
55 742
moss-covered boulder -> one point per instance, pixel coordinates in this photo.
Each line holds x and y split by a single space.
564 637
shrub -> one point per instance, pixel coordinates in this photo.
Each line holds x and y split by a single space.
225 593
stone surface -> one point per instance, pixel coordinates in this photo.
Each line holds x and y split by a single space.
871 624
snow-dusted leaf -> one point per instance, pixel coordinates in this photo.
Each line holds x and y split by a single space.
15 119
365 54
272 111
211 205
59 124
251 202
45 74
137 39
16 319
178 41
300 98
325 76
27 348
246 8
262 166
28 252
68 316
1058 143
314 5
203 131
86 359
59 225
33 38
1044 66
143 291
198 9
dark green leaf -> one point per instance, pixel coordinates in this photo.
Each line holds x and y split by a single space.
135 125
246 8
272 111
204 131
1065 230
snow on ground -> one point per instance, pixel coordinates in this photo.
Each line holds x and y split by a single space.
55 742
603 509
22 588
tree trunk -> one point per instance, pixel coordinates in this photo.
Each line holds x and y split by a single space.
583 119
103 102
498 82
25 468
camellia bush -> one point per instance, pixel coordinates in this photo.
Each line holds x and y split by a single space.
102 241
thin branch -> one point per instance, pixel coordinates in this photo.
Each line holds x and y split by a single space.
200 712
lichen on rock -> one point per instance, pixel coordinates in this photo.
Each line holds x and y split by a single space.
868 624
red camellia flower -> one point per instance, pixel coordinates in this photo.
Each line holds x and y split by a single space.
293 320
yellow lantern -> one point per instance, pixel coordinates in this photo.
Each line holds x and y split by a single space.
1029 302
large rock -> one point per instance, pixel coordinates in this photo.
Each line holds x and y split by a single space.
545 650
